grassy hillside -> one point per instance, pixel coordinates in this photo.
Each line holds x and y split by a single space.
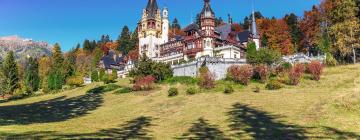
329 109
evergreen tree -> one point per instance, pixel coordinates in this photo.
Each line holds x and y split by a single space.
10 74
124 41
98 53
93 45
70 64
218 21
77 48
87 46
56 77
175 24
134 39
2 80
105 39
247 20
198 19
293 23
32 78
247 23
251 51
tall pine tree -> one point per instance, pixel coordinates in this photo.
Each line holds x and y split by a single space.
56 76
175 24
293 23
32 78
10 74
124 41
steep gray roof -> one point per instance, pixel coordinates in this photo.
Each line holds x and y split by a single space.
243 36
224 31
111 60
190 27
152 8
207 8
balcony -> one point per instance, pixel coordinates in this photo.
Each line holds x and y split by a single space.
193 51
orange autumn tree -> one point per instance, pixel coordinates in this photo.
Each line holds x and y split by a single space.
277 33
133 54
236 27
310 26
176 32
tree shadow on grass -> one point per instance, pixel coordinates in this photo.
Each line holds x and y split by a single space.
54 110
333 133
203 130
261 125
133 129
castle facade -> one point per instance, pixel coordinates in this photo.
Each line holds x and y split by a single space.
204 40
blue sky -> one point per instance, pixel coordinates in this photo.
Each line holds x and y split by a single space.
71 21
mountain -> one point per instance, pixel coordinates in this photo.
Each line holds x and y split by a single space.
23 47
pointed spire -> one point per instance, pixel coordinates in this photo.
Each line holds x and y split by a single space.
207 11
152 8
230 20
253 26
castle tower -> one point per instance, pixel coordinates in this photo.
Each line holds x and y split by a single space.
150 30
165 25
207 25
255 34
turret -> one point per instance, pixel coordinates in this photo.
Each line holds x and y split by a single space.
165 25
150 30
207 19
254 32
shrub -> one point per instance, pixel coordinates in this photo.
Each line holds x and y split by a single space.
111 87
286 66
191 91
123 90
262 72
145 66
114 75
241 74
274 85
187 80
144 83
106 79
75 81
263 56
228 89
95 76
102 89
330 60
296 73
315 68
173 92
206 79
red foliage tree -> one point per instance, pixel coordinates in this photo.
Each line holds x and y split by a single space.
262 71
310 26
315 68
241 74
296 73
144 83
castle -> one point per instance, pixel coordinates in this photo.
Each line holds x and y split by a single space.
204 40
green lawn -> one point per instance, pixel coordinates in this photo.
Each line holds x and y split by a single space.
329 109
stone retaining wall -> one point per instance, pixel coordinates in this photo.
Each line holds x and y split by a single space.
218 66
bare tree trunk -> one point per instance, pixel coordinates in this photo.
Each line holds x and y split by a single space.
354 55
